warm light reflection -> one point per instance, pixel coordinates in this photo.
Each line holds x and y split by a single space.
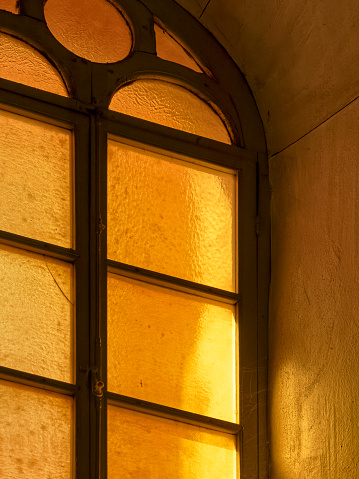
36 317
169 49
23 64
148 447
170 105
171 216
171 348
36 433
36 179
92 29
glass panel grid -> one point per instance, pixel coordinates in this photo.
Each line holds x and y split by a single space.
36 434
172 216
172 348
36 175
36 317
150 447
21 63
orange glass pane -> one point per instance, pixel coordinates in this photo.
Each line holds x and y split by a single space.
36 316
171 348
169 49
170 105
9 5
35 179
92 29
171 216
23 64
149 447
36 433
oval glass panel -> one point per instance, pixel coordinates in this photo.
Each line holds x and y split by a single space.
9 5
170 105
92 29
169 49
21 63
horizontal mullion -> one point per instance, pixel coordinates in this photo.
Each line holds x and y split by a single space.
27 379
172 413
161 138
36 246
172 282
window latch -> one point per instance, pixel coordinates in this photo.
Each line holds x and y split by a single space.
96 385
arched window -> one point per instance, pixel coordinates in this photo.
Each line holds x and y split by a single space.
133 262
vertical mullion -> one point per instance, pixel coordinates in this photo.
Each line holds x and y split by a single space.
81 225
98 294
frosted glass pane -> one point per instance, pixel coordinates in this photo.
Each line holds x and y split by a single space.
9 5
92 29
170 105
147 447
23 64
35 434
171 216
171 348
168 49
36 315
35 179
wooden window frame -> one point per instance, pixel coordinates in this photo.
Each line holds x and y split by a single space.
87 115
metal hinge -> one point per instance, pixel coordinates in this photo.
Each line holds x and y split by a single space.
96 385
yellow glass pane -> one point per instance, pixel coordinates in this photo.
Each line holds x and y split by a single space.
35 434
23 64
35 179
92 29
168 49
148 447
170 105
9 5
171 348
36 316
171 216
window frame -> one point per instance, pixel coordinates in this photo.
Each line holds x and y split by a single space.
91 123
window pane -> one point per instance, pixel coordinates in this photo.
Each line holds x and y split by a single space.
23 64
171 348
35 434
147 447
35 179
170 105
168 49
36 316
92 29
171 216
9 5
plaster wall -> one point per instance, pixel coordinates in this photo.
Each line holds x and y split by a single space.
314 312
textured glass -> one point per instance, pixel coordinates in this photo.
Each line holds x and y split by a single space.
171 348
23 64
92 29
171 216
36 316
35 179
170 105
35 433
168 49
148 447
9 5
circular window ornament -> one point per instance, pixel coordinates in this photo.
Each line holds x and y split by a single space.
92 29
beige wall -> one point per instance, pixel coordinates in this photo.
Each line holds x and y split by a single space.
314 313
300 59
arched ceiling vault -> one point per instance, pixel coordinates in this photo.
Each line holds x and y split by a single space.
299 57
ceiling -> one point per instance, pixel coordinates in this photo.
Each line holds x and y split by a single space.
298 56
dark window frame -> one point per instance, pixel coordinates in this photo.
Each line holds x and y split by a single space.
87 115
